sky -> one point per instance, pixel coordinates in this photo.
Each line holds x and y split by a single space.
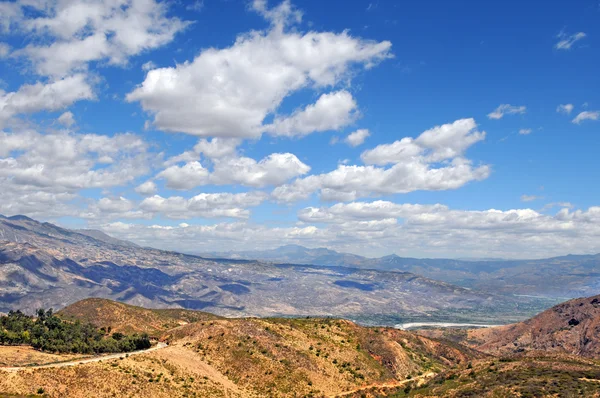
425 129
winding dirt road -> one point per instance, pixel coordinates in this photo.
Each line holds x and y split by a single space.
385 385
84 361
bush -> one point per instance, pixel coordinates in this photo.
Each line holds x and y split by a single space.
47 332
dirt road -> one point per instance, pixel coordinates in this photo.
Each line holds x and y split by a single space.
83 361
384 385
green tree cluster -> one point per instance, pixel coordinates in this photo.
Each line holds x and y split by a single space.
47 332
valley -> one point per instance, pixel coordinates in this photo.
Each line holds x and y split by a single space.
42 265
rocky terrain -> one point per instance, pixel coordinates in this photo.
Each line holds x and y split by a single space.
568 328
558 277
42 265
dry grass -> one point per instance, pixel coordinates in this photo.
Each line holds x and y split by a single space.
24 356
130 319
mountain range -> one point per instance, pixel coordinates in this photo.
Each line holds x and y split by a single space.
43 265
559 277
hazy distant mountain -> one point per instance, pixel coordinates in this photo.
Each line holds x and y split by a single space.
560 277
99 235
42 265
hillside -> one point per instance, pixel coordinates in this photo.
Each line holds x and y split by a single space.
572 327
248 358
541 376
130 319
318 357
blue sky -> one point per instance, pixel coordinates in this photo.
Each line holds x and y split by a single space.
225 125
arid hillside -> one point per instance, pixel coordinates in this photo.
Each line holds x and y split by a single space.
125 318
246 357
572 327
209 356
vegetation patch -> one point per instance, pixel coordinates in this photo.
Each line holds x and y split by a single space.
49 333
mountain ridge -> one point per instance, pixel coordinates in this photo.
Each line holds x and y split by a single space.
42 265
574 275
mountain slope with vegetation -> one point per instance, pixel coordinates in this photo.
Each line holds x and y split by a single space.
125 318
248 357
287 357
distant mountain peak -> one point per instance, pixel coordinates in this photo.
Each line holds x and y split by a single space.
20 217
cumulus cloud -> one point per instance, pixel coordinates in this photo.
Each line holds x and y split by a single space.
188 176
204 205
229 92
65 162
79 33
331 112
565 108
586 115
375 228
66 119
566 40
53 96
357 137
147 188
414 167
42 175
506 109
230 169
274 170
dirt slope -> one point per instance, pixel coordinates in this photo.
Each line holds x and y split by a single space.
572 327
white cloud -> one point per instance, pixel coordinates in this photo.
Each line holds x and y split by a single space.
106 30
357 137
439 143
525 131
586 115
217 147
4 50
565 108
42 175
506 109
229 92
413 167
188 176
530 198
274 170
117 205
54 96
376 228
204 205
65 162
280 16
148 66
566 40
146 189
196 5
361 211
331 112
66 119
